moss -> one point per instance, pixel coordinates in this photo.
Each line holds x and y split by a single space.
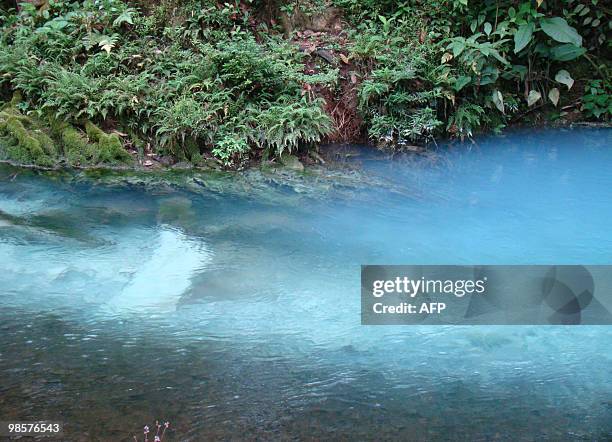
192 150
46 143
76 148
12 112
197 159
3 117
27 148
94 133
16 99
74 144
110 148
138 143
28 141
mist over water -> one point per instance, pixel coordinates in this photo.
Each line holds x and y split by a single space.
236 315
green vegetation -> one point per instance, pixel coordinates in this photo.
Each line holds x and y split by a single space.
112 82
464 66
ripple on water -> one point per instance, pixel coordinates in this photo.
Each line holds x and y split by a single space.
231 308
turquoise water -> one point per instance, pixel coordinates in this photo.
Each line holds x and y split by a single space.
232 310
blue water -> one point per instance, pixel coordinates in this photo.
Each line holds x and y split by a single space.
231 308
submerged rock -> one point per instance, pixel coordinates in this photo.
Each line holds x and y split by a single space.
176 210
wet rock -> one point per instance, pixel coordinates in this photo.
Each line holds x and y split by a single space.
291 162
183 165
211 163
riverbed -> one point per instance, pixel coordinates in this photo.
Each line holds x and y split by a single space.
231 306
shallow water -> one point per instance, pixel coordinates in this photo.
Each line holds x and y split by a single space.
235 314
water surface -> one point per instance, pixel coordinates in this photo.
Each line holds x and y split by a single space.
232 309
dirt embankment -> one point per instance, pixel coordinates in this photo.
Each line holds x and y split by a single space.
322 37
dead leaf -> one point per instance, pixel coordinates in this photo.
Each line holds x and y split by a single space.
422 36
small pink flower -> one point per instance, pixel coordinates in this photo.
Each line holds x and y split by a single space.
157 439
146 429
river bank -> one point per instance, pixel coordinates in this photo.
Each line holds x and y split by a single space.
299 162
225 86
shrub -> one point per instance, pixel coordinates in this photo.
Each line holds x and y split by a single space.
597 100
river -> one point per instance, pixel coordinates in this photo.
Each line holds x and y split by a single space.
233 310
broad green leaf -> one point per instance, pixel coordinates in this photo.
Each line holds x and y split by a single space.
558 29
461 82
553 96
488 28
565 78
457 48
522 37
533 97
566 52
489 75
498 100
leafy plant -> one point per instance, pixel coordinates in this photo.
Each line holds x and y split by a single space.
597 100
230 150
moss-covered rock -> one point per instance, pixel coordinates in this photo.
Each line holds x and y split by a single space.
110 148
291 162
112 151
77 150
16 99
24 139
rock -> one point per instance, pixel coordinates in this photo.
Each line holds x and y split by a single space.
211 163
291 162
326 55
176 210
183 165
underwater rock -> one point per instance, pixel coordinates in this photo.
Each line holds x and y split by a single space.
176 209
